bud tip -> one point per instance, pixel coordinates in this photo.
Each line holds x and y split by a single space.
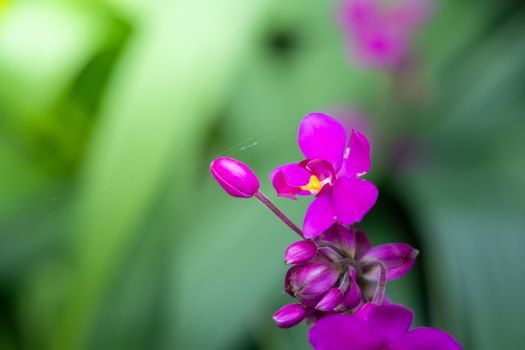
289 315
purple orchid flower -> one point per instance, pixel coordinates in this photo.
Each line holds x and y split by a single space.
380 32
377 327
338 278
331 171
339 270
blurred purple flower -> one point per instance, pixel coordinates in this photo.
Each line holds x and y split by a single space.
331 171
379 31
353 118
377 327
345 271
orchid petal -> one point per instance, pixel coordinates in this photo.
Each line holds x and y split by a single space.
358 160
397 257
288 179
387 321
353 198
319 216
337 332
322 137
296 175
425 339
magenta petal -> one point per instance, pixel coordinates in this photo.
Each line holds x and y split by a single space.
288 179
387 321
322 137
342 332
398 258
364 310
425 339
358 160
319 216
353 198
282 188
296 175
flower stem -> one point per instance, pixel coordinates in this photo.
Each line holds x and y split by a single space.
379 293
266 201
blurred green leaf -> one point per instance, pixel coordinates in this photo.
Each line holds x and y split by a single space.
150 116
468 198
62 38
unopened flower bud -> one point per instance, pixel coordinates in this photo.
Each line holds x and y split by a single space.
300 252
352 295
330 300
289 315
309 282
235 177
398 259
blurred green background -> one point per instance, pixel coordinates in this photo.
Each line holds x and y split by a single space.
113 235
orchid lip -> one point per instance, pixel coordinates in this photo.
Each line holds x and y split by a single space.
317 187
322 176
322 169
314 185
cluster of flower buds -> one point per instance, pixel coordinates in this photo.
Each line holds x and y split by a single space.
336 271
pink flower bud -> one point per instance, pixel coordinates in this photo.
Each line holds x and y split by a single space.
235 177
397 257
330 300
310 282
300 252
289 315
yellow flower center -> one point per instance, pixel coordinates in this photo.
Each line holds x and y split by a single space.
313 186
